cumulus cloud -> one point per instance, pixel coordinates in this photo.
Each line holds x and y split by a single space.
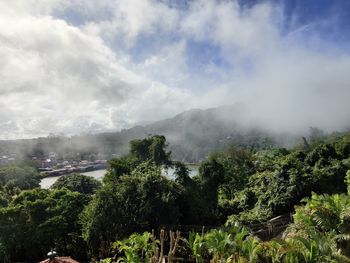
56 78
82 66
228 25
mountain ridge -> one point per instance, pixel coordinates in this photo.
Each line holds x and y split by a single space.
191 135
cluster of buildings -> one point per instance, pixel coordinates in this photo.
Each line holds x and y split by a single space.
7 159
50 165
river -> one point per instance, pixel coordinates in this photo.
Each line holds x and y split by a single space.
48 181
98 174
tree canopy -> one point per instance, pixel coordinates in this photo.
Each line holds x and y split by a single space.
38 220
77 183
22 177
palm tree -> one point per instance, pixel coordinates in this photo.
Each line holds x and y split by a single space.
196 245
267 252
235 245
324 213
136 249
219 244
317 247
245 246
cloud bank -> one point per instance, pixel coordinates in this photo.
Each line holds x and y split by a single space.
81 66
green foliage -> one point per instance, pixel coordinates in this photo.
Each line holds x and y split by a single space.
38 220
211 175
192 205
4 198
322 228
142 199
347 180
270 182
182 174
326 214
77 183
219 244
135 249
118 167
238 167
265 160
342 145
233 244
236 245
196 245
22 177
316 135
314 248
102 220
150 149
232 185
281 183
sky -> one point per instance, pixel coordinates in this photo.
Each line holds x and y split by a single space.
81 66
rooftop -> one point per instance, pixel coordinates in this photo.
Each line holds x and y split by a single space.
60 260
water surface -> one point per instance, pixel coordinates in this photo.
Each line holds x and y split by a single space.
48 181
98 174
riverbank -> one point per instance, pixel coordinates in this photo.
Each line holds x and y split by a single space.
81 167
48 181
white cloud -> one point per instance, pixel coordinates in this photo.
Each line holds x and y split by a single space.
128 18
169 65
79 66
228 25
56 78
302 89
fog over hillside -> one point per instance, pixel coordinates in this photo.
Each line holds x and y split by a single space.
191 135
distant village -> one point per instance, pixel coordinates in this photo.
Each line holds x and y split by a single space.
7 159
52 165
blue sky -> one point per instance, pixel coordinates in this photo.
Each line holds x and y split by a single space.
328 19
319 25
91 66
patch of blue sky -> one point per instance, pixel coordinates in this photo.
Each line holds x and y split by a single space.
78 16
71 17
303 12
178 4
249 3
201 54
146 45
328 20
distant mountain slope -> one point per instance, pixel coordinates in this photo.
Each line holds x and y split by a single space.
192 135
195 133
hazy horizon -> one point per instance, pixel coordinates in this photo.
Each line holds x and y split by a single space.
73 67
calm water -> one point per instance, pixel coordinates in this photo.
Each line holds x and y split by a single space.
98 174
48 181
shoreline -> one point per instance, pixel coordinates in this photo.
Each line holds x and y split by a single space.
63 171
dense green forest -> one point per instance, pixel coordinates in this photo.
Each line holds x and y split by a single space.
235 189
